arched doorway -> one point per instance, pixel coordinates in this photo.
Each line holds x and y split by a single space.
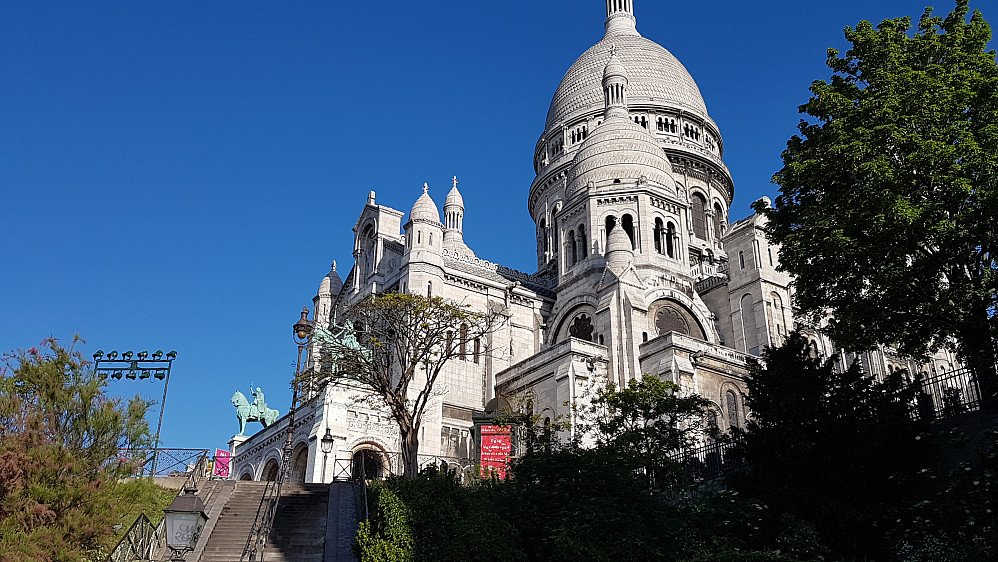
299 464
271 470
246 476
368 463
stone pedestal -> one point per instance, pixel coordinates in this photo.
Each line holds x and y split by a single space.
235 442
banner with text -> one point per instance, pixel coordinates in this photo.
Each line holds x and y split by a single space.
497 444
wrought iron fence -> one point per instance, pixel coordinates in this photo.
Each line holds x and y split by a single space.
945 394
711 460
172 462
375 464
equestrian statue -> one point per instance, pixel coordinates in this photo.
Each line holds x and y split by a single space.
257 411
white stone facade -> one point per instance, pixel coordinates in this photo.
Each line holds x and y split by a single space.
639 270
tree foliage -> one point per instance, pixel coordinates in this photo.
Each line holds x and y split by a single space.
648 423
889 194
830 446
61 486
396 345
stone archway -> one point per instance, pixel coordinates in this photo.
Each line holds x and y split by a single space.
369 463
246 476
299 464
271 470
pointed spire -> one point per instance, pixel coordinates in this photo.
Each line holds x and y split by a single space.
620 17
453 212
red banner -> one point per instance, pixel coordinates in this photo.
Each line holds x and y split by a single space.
497 444
221 467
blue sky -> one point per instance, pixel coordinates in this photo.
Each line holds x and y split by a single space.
180 175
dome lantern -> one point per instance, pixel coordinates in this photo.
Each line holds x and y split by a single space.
620 17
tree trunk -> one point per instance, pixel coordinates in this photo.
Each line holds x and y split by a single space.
410 453
979 351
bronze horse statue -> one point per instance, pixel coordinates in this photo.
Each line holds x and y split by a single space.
247 412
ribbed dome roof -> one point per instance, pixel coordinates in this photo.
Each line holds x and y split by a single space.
619 149
331 283
656 77
454 198
424 208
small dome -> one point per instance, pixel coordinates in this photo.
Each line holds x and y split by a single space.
614 68
619 149
331 283
619 251
454 198
424 208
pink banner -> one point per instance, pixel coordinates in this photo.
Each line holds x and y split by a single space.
496 448
221 467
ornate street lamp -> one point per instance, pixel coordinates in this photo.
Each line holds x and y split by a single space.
327 442
302 335
184 520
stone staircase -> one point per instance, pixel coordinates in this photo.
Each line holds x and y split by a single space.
299 533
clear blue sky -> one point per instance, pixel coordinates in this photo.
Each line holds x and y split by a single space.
180 175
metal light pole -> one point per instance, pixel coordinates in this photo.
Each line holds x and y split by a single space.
302 335
142 367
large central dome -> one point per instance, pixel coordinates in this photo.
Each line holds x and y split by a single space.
657 78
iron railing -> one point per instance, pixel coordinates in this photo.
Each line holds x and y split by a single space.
256 541
383 464
143 540
171 462
712 460
945 394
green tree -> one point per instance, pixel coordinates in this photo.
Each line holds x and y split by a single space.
889 196
396 346
648 423
61 485
830 446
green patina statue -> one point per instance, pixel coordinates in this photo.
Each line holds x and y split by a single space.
257 411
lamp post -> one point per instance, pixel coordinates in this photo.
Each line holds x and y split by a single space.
302 335
184 520
327 446
141 367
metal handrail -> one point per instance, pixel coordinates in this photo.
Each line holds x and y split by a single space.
143 540
260 531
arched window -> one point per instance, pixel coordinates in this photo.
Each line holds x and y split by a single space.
582 327
463 344
611 221
659 235
628 225
778 317
718 221
429 289
543 234
699 216
572 255
731 401
478 349
670 241
583 244
741 259
450 341
749 328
